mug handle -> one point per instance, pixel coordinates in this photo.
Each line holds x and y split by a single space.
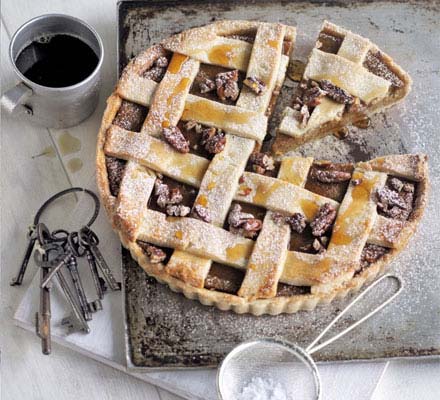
13 99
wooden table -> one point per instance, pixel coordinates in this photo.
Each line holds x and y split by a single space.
35 164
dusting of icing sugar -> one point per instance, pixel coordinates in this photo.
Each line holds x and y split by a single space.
259 388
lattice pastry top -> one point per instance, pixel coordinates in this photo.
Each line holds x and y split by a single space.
200 208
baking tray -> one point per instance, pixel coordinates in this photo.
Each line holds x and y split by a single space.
166 330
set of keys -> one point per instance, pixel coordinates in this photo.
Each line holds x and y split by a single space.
58 252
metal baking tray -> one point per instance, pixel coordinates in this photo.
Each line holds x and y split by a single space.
166 330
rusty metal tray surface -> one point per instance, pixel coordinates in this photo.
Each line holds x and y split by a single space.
166 330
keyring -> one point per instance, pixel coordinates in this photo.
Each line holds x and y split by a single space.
63 193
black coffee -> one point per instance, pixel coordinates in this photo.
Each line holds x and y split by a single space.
57 61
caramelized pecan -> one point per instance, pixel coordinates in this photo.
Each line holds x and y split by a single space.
206 85
335 93
261 162
178 210
202 213
329 176
243 223
323 220
371 253
175 138
388 198
157 71
191 124
175 196
162 191
313 95
155 254
213 140
396 199
115 171
227 86
155 74
161 62
165 196
255 84
297 222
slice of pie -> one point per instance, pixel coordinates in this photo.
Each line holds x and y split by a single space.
200 206
347 78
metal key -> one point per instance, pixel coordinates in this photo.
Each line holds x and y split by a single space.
62 260
89 240
72 266
43 316
77 314
47 246
32 237
79 251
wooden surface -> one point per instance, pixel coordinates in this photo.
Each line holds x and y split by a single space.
28 178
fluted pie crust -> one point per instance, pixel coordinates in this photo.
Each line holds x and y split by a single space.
267 262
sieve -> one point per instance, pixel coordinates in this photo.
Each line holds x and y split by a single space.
276 369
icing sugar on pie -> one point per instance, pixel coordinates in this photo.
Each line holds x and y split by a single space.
203 209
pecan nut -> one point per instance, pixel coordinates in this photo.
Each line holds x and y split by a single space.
255 84
191 124
213 140
261 162
162 191
175 138
336 93
158 69
206 85
329 176
244 224
155 254
227 85
115 170
324 219
297 222
178 210
202 213
155 74
388 198
371 253
161 62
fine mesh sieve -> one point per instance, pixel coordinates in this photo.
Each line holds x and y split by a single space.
274 369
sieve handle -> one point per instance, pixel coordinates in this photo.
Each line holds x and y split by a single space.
313 347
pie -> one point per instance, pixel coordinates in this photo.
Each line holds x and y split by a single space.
202 208
347 78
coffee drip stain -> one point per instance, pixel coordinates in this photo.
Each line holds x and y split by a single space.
48 151
74 165
68 144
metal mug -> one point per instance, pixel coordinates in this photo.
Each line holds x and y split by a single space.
52 107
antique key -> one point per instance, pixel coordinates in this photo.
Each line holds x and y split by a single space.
77 314
43 316
72 266
57 249
79 251
89 240
32 237
61 258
